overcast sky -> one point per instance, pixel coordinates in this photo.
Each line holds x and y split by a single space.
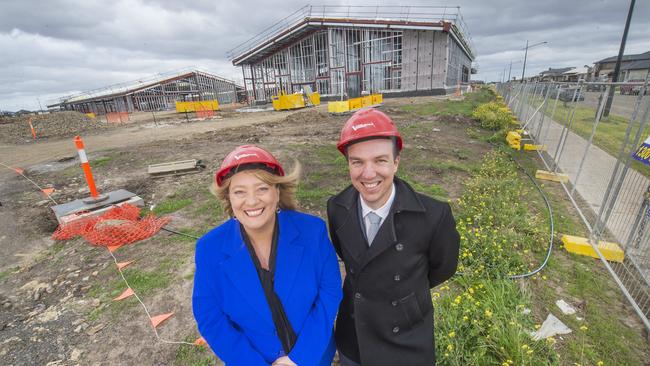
57 47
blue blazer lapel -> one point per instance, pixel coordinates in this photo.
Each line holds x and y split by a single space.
289 257
241 271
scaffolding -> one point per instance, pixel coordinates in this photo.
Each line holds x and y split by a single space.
349 51
156 93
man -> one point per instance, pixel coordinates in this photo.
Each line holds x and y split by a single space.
396 245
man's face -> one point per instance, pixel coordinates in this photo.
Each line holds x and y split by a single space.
372 168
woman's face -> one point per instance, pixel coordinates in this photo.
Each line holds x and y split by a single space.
253 201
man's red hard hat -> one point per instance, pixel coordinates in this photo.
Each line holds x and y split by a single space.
245 155
365 124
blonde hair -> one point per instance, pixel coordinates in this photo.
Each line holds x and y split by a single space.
286 184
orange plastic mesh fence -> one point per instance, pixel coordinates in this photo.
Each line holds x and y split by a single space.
204 112
116 227
117 117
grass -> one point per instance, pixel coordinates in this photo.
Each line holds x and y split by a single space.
101 161
171 205
143 282
187 355
463 107
7 272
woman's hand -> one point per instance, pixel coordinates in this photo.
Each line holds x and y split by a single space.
284 361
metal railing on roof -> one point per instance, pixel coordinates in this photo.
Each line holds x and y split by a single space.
127 86
380 12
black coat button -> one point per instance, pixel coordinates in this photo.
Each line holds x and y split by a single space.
357 295
351 270
394 303
396 330
399 247
397 278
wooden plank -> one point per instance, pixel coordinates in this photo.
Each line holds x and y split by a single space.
175 168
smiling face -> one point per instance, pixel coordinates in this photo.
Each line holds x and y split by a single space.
253 201
372 169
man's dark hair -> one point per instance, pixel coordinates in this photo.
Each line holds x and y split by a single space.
392 138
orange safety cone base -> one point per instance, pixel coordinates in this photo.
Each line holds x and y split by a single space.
48 191
127 293
159 319
200 342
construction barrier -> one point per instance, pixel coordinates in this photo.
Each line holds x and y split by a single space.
86 166
288 101
90 115
117 117
353 104
201 105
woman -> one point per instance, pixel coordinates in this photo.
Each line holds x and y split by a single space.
267 284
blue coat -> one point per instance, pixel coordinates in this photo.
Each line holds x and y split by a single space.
230 307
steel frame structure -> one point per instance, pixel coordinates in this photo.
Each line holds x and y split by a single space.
153 94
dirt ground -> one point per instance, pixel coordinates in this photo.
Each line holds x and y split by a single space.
56 297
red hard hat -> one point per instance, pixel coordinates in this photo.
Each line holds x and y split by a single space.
244 155
368 123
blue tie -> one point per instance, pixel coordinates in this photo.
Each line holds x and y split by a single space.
374 220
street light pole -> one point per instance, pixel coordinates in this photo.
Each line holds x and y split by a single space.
526 56
617 68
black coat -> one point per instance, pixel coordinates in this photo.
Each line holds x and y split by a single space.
386 316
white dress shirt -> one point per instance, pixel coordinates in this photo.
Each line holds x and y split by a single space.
381 211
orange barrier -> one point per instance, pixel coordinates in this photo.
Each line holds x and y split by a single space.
119 226
117 117
86 166
204 112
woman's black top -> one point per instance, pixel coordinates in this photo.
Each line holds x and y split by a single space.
283 328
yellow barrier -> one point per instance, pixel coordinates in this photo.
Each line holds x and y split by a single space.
314 98
288 101
90 115
355 103
203 105
338 107
366 101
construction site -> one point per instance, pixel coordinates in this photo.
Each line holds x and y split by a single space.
102 200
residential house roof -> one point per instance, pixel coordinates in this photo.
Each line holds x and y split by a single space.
637 57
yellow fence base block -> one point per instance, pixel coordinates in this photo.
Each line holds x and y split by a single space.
578 245
90 115
531 147
554 177
514 140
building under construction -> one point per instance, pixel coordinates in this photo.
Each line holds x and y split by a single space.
160 92
347 51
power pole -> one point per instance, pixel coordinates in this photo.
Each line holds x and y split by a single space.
617 68
525 56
